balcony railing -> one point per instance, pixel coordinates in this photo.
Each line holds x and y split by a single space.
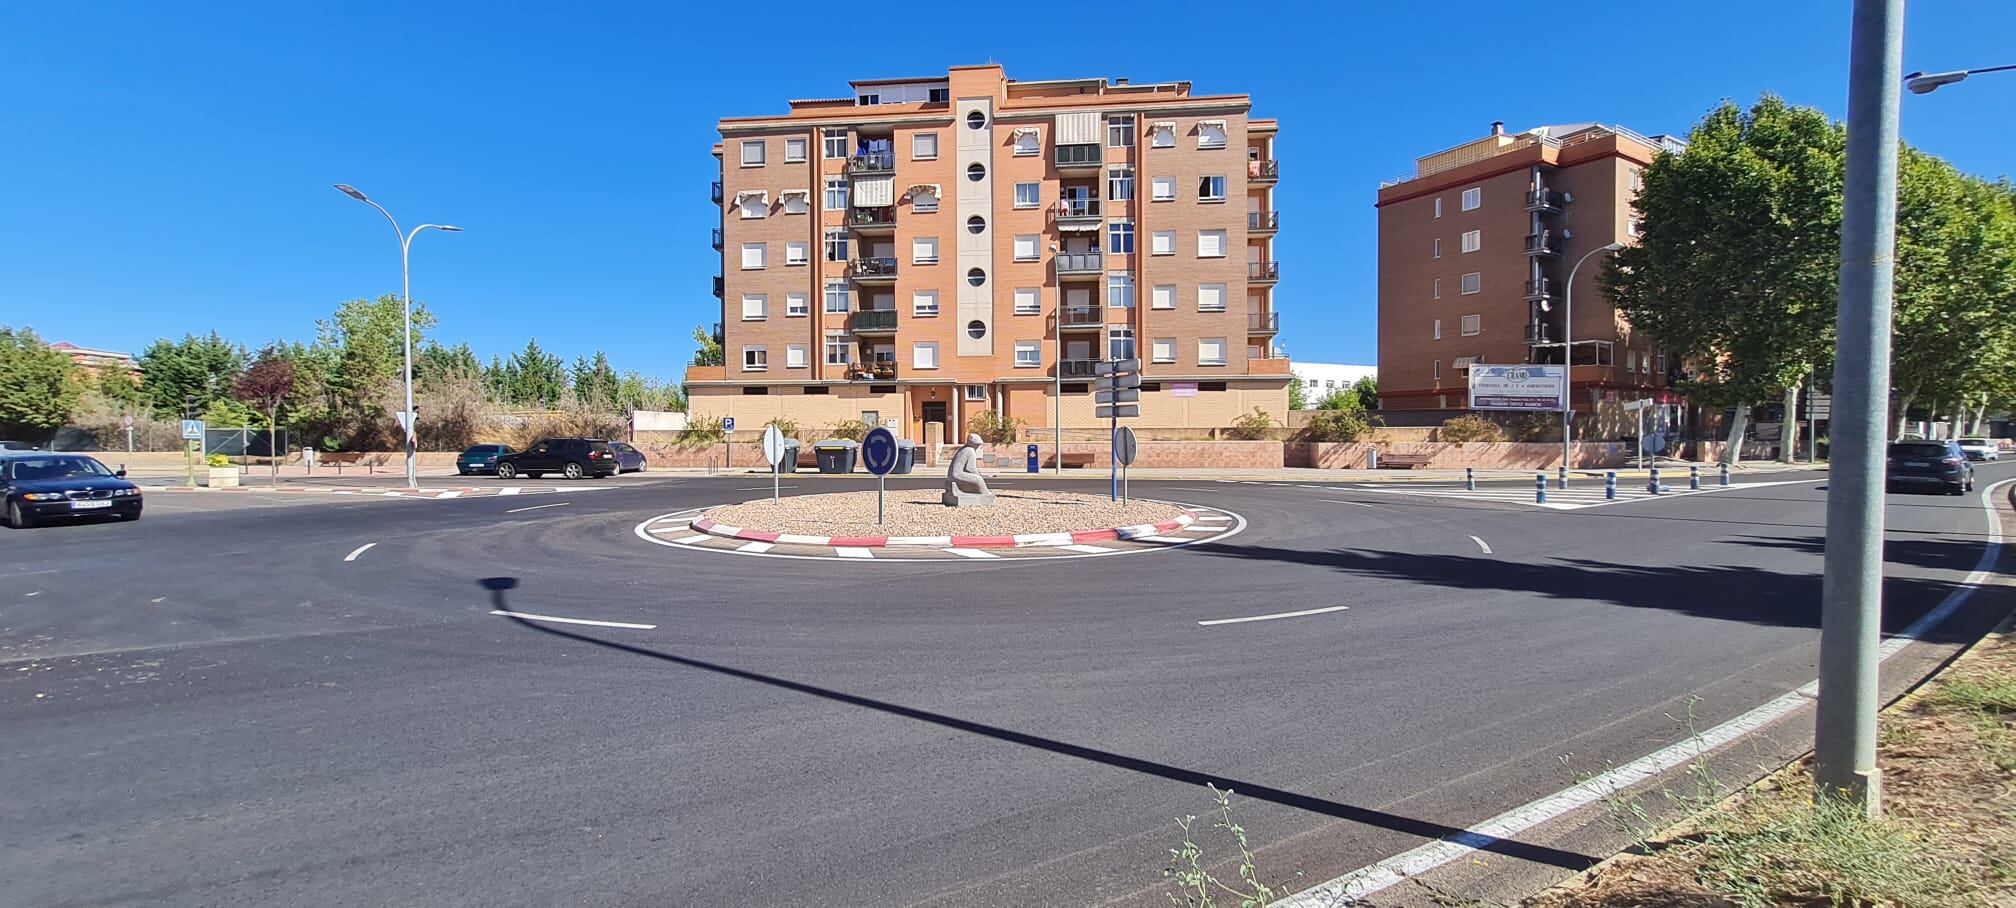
717 239
717 192
1542 289
1267 170
880 370
1263 220
1545 200
1079 155
1083 317
717 332
717 285
872 162
1263 322
1077 368
1544 244
1536 334
1080 263
1069 209
1263 271
873 268
872 217
873 321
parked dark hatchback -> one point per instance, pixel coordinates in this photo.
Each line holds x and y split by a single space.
569 457
37 486
628 459
1929 463
480 459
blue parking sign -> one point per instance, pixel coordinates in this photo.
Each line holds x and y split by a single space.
727 423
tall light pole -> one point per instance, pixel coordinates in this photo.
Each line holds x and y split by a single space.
1927 83
1568 353
406 296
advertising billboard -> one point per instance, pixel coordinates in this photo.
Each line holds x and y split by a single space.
1526 387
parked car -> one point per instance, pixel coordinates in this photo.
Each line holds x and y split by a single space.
480 459
628 459
1980 449
36 486
569 457
1929 463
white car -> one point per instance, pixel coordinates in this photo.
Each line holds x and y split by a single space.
1980 449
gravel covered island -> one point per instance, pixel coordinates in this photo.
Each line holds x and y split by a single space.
917 512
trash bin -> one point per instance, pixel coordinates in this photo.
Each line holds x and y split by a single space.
835 455
790 462
906 455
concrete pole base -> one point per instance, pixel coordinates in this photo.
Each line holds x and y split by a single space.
1862 787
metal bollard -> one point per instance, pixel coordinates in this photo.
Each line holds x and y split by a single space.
1652 485
1694 479
1469 479
1725 474
1610 485
1540 488
1564 477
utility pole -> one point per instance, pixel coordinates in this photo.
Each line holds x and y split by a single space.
1851 588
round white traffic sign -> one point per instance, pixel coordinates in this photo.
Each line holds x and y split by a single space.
773 445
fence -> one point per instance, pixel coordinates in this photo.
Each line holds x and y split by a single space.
244 441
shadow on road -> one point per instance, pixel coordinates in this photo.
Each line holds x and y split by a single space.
499 586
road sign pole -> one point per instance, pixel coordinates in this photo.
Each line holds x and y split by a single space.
776 470
880 482
1113 463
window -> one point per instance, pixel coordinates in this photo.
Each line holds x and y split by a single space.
976 329
1472 282
976 224
1162 135
868 100
1028 195
1473 325
924 303
797 252
1438 329
1210 351
1436 372
754 205
1438 206
1163 296
1637 179
976 120
836 194
1631 227
1120 131
834 142
753 305
836 297
1120 184
924 356
924 146
1162 189
1211 134
794 151
1027 301
976 394
1661 363
1120 237
837 349
1028 354
1025 248
1438 289
1211 244
1210 297
795 203
924 250
1630 360
797 356
752 153
754 255
1211 189
1438 247
976 172
924 202
1119 343
1162 350
1473 240
976 277
1162 242
836 245
1027 143
1473 198
797 305
1120 291
755 359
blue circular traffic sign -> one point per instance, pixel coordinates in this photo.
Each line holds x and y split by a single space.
878 451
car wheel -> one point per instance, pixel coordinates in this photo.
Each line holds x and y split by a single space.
16 519
572 471
507 471
642 464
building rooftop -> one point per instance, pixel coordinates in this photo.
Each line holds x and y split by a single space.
1559 135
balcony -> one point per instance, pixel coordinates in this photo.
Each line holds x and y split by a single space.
717 192
1077 368
717 239
717 333
1544 288
1263 171
1080 157
873 270
1082 264
872 322
871 162
1075 211
880 370
1537 334
1263 272
872 220
717 286
1269 365
1263 322
1545 244
1545 200
1263 221
1082 317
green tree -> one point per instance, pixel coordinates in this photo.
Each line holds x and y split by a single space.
188 374
368 337
708 351
1340 399
535 378
435 365
1954 331
635 391
1298 395
595 383
39 387
1367 389
266 386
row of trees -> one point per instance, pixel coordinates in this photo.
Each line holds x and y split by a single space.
1738 252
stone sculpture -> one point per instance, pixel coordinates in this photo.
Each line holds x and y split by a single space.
964 486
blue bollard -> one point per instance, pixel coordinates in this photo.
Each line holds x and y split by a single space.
1694 479
1539 488
1652 485
1725 474
1564 478
1610 485
1469 479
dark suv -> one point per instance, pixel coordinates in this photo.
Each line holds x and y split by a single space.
1929 463
569 457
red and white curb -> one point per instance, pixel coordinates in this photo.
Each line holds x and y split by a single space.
1141 532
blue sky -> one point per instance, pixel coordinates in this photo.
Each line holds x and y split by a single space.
169 165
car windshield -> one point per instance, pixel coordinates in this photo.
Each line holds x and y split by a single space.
33 469
1918 449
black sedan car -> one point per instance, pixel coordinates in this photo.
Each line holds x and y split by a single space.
37 485
1929 464
569 457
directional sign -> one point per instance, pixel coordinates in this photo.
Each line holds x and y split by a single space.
1115 366
192 430
878 451
1124 447
1109 382
1107 397
773 445
1120 411
727 423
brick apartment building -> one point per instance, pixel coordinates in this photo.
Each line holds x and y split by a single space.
925 249
1475 249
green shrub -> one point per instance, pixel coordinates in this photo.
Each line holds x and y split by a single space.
1469 427
1254 426
784 425
702 431
217 460
1339 426
993 428
850 429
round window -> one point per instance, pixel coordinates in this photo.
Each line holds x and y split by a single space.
976 329
976 276
976 224
976 172
976 120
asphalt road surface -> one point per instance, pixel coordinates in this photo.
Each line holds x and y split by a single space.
229 703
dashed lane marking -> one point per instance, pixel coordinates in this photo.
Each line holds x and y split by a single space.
358 551
539 507
973 553
1087 549
528 616
693 539
850 552
756 547
1302 613
1482 544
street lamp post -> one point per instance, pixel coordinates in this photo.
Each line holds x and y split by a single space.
406 297
1927 83
1568 353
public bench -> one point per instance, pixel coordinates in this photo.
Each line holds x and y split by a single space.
1404 461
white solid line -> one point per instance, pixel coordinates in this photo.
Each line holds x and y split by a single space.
1365 881
1313 611
798 539
1164 539
1214 518
557 504
1195 529
528 616
670 528
1087 549
851 552
1482 544
452 493
358 551
973 553
509 490
692 539
1183 489
920 540
756 547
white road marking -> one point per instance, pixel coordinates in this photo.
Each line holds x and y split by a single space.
1214 518
850 552
692 539
1179 489
1313 611
32 595
1482 544
1164 539
763 488
158 600
671 528
358 551
1365 881
1087 549
756 547
973 553
452 493
528 616
1360 504
509 490
557 504
1198 529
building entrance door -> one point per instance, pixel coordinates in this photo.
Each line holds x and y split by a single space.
934 411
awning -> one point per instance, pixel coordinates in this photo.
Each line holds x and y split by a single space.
760 195
786 195
1078 128
923 189
878 192
1162 124
1465 362
1069 227
1213 124
1021 131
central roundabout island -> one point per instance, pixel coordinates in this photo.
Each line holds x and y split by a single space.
920 517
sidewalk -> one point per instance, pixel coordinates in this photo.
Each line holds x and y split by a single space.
1668 472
